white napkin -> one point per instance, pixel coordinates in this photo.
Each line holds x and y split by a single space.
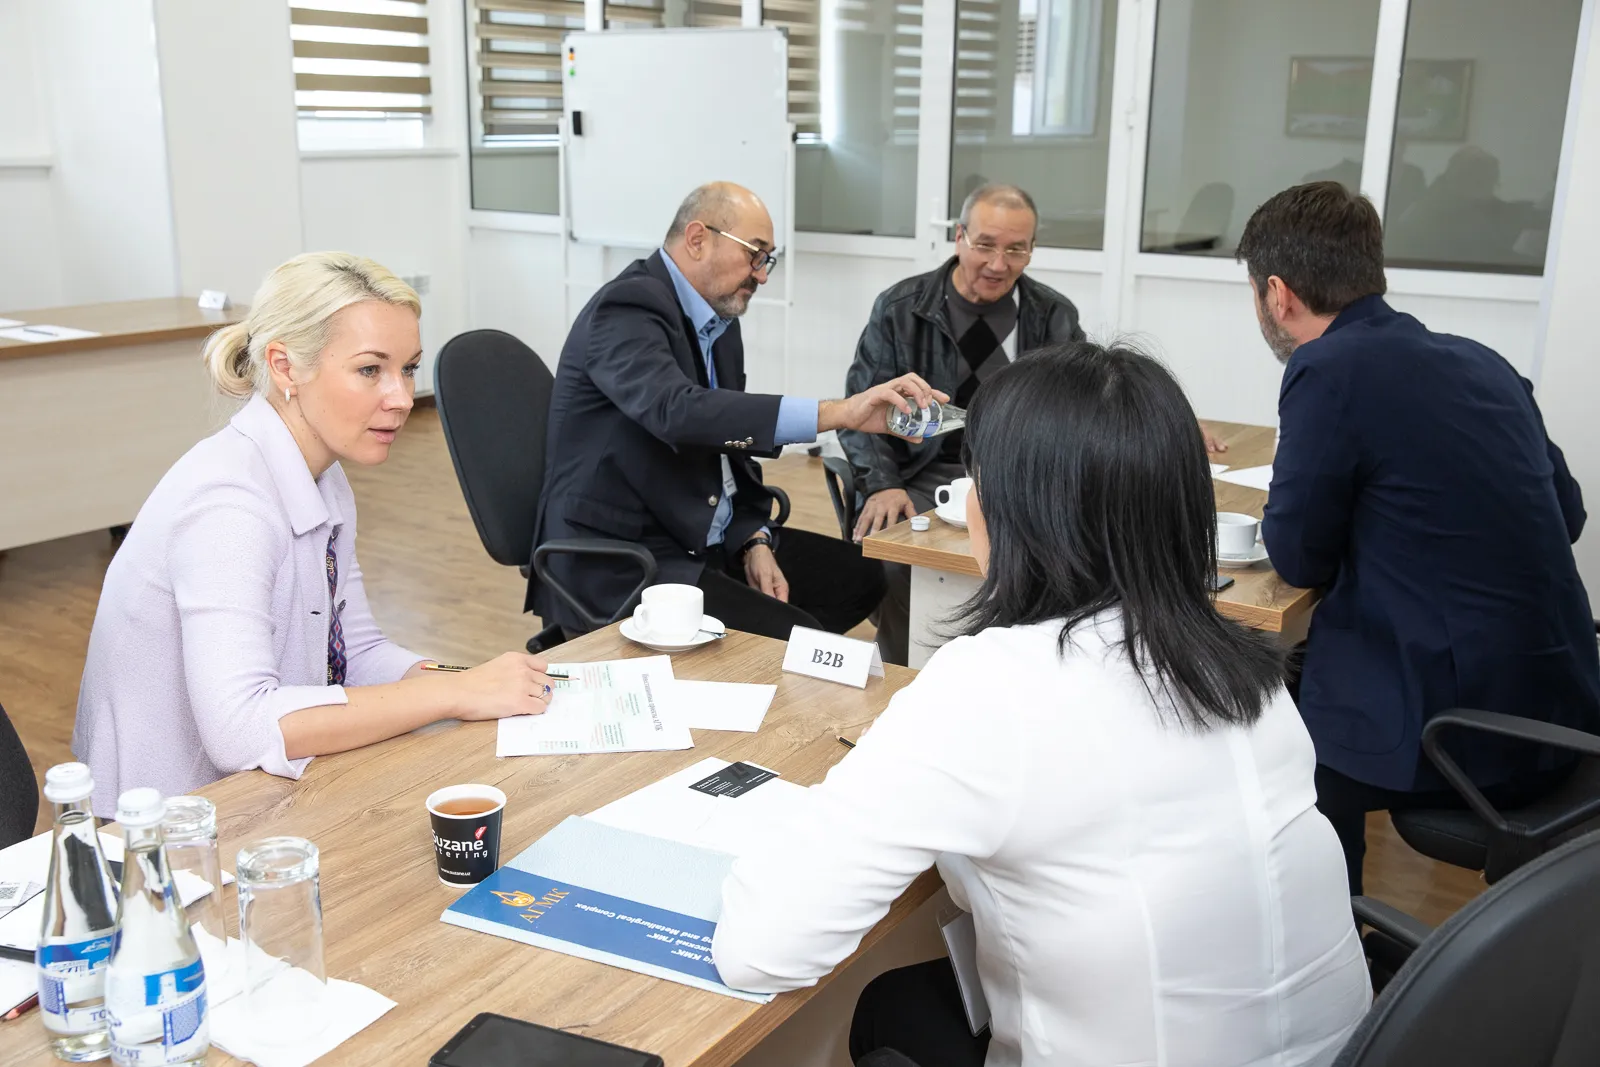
351 1008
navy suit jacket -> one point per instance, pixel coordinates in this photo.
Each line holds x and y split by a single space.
634 439
1415 481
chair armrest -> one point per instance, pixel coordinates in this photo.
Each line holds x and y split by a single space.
1390 921
1494 722
597 547
783 505
1502 725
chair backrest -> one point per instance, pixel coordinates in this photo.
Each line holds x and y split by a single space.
1513 978
19 793
493 394
1210 212
841 482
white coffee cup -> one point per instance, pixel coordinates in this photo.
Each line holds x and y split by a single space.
954 495
670 614
1236 534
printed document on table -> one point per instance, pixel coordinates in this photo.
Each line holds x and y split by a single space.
41 334
610 706
1250 477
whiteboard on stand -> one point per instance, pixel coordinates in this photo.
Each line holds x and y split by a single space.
652 114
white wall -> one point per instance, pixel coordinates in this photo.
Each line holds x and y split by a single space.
404 212
30 271
113 212
227 90
1569 385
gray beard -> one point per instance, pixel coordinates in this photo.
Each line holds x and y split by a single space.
1278 339
727 307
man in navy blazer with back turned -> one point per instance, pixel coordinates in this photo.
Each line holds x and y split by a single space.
1415 483
651 438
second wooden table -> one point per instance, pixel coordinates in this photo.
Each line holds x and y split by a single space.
944 572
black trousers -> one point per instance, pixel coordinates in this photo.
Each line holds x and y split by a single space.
917 1012
831 587
1346 802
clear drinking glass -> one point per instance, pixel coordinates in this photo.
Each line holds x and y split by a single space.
189 831
280 924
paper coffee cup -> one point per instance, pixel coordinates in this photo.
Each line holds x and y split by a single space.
466 832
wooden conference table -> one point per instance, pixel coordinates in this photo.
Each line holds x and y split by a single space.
944 572
89 425
382 899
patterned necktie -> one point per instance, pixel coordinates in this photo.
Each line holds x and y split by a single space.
336 661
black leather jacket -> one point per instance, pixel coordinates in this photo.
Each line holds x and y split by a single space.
909 333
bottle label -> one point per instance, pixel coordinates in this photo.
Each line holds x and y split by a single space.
72 979
172 1028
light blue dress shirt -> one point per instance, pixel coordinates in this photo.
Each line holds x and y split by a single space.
797 417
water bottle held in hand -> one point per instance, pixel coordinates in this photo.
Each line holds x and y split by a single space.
156 986
80 923
931 421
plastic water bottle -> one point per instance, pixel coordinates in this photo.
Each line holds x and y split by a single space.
80 923
931 421
156 987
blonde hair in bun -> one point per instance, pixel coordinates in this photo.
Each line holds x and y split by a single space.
295 307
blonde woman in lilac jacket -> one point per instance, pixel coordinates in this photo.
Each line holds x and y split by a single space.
233 630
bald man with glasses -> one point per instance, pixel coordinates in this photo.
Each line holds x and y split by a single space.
952 327
652 439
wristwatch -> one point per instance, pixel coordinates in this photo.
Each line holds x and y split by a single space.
756 539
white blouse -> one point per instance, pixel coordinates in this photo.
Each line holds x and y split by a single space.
1143 893
213 620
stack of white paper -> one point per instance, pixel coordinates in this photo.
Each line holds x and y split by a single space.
610 706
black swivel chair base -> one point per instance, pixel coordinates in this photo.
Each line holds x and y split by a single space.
546 639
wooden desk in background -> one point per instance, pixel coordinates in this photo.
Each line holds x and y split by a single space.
88 426
944 574
381 897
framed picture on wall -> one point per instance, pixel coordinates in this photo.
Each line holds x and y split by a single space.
1328 97
1434 97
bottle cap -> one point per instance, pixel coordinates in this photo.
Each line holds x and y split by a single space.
141 807
66 783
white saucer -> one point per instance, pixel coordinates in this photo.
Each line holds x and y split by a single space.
956 518
1258 556
707 622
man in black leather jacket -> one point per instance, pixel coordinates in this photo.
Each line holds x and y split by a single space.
952 326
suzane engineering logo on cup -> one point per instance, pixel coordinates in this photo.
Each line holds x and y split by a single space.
466 832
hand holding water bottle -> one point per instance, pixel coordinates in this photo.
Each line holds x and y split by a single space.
880 409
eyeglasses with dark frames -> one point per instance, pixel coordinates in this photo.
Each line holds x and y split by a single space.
760 258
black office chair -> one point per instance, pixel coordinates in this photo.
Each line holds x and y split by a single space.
1512 978
1483 838
841 479
493 395
19 793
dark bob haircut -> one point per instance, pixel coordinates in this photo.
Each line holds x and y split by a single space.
1093 479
